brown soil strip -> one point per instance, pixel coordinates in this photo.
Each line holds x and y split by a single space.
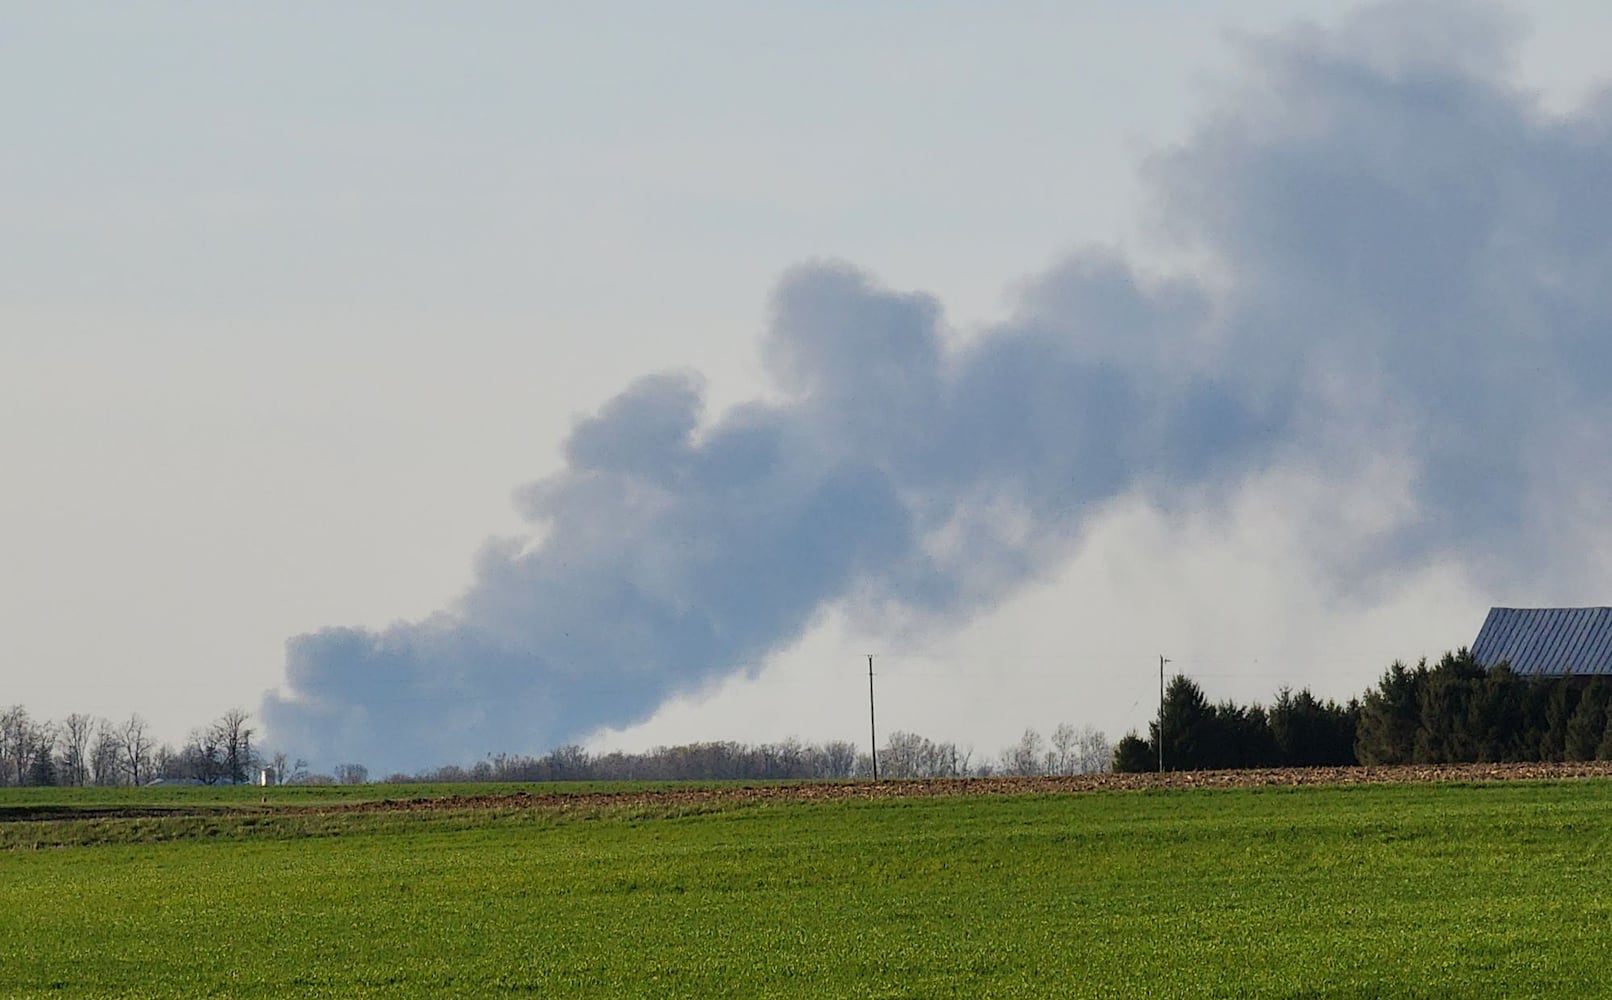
826 791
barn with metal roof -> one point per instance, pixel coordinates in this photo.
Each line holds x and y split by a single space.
1547 642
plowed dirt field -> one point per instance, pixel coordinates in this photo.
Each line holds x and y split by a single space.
695 795
1046 785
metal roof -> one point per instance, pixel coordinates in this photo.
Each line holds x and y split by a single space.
1547 642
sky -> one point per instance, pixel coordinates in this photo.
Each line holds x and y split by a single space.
435 384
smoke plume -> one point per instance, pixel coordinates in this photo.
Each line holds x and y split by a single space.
1398 257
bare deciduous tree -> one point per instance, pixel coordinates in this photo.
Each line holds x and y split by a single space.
201 759
837 759
1064 740
106 754
234 740
76 732
1093 753
1025 756
136 746
16 745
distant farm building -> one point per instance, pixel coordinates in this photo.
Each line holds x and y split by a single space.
1547 642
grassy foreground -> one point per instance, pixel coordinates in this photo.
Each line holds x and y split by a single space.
1408 890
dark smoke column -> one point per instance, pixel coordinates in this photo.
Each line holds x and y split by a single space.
1412 263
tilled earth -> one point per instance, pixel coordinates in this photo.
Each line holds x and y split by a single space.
695 795
1049 785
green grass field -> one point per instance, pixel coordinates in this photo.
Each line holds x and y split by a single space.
1392 890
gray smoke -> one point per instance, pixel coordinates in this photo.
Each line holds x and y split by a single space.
1409 258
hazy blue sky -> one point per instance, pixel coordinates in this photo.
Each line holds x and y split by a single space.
294 301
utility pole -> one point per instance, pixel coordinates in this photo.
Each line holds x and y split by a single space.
873 732
1162 662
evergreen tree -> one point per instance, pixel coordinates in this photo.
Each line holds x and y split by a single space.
1444 734
1495 716
1191 740
1559 709
1587 725
42 769
1310 733
1134 755
1603 749
1389 715
1244 736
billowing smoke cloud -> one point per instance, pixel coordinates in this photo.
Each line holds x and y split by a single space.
1404 258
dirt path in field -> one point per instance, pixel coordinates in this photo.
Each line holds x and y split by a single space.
824 791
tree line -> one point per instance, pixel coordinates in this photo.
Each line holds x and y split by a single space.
1459 711
1068 750
81 750
1454 711
1297 730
